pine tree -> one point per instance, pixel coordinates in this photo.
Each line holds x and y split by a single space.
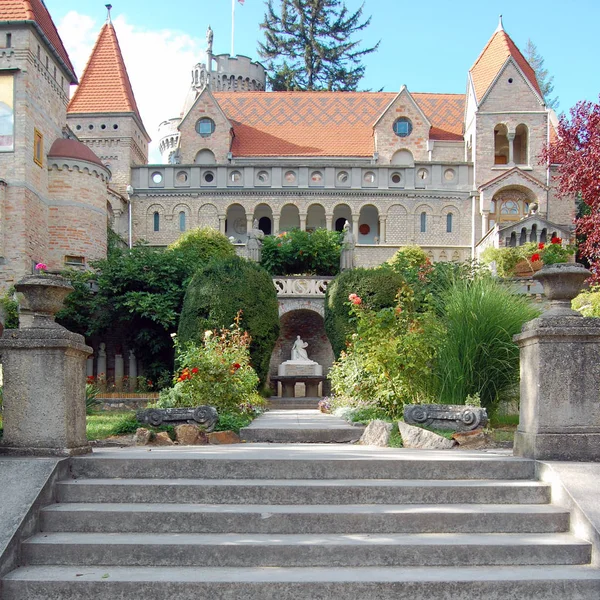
308 45
534 58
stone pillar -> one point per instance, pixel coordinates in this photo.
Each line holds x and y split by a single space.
511 147
275 224
560 375
382 229
355 220
119 372
249 224
101 366
132 371
485 222
329 222
302 222
222 219
44 369
89 367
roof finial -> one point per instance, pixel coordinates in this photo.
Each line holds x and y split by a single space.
500 24
108 7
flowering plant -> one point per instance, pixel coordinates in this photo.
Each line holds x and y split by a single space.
41 268
325 405
553 253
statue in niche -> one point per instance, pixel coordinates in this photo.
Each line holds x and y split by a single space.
348 244
209 40
254 244
298 350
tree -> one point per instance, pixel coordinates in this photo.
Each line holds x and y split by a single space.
576 151
534 58
308 46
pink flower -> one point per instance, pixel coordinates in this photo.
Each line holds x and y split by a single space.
352 297
41 267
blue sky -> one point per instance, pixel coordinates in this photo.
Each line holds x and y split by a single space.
427 46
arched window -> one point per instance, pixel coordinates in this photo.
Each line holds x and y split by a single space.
182 221
521 145
500 144
156 219
423 222
264 224
449 219
339 224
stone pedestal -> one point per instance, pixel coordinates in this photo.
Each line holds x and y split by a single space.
560 389
299 368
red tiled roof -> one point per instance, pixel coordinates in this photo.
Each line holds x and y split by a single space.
492 59
35 10
65 148
105 85
325 123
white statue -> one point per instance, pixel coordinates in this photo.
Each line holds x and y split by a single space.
298 350
348 245
254 243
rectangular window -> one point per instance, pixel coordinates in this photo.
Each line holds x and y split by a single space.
38 148
9 40
423 222
7 117
75 261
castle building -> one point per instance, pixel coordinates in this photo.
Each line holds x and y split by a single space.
453 173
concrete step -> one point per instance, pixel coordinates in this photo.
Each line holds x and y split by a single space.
356 550
274 461
303 491
278 403
400 583
287 519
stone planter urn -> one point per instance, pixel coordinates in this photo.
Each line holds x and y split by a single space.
42 297
562 282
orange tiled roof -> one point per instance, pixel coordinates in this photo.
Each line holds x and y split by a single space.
105 85
491 60
325 123
35 10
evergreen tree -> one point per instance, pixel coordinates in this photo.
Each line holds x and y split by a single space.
534 58
308 45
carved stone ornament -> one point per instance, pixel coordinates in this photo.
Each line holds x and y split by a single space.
446 416
204 416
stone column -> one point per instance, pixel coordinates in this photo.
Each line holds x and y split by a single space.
132 371
355 220
249 224
119 372
485 222
303 222
329 222
222 219
44 368
101 366
275 224
511 147
382 229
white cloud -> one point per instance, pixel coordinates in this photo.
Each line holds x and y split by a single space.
159 64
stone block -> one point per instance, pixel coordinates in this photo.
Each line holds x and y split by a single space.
162 439
224 437
472 440
446 416
190 435
415 437
142 436
377 433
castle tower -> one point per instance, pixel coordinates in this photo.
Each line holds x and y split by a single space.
104 115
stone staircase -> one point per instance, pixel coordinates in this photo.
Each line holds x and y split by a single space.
303 523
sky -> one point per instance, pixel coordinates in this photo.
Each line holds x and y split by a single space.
427 46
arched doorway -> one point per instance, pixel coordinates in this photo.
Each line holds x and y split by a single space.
290 218
310 326
341 214
236 225
368 225
315 217
264 214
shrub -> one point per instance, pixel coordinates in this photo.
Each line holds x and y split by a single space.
91 398
301 252
478 355
222 289
376 287
10 307
588 303
408 257
506 259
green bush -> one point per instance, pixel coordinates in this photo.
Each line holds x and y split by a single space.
218 292
588 303
478 355
507 258
408 257
10 307
302 252
377 288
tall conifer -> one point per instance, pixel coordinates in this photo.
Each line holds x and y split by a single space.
308 45
545 81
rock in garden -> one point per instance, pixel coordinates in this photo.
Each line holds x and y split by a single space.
473 440
224 437
415 437
142 436
190 435
377 433
162 439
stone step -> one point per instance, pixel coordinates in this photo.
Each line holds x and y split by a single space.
341 435
277 403
287 519
273 461
355 550
399 583
303 491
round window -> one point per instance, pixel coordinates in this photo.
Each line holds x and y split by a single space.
205 127
157 177
209 177
396 178
262 177
369 177
235 177
316 177
343 177
449 174
182 177
422 173
402 127
290 176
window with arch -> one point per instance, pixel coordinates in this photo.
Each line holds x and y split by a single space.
156 221
509 207
205 126
423 222
521 145
449 222
264 224
182 221
501 144
339 224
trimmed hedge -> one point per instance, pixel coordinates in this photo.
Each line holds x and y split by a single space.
221 289
376 287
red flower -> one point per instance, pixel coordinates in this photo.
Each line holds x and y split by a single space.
556 240
352 297
541 246
356 301
194 370
535 257
236 366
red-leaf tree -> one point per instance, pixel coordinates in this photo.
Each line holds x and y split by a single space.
576 151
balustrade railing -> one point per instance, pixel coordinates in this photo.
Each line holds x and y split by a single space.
301 286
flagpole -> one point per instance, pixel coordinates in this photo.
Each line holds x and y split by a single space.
232 25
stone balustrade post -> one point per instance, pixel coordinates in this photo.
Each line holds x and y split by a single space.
119 372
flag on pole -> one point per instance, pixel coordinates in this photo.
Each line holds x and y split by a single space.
241 2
